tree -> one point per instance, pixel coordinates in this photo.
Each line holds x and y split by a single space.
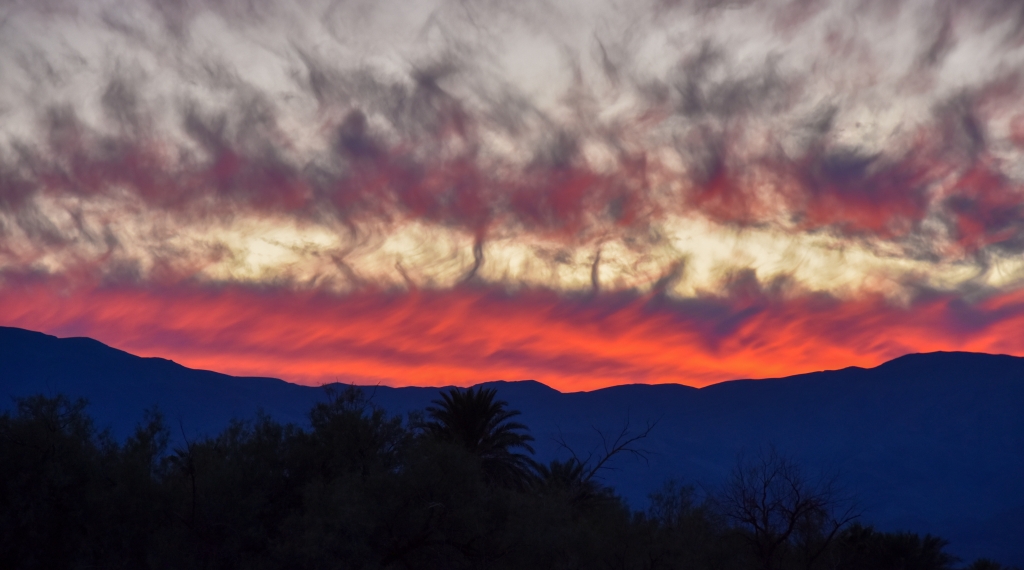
579 475
352 435
862 546
785 516
71 496
570 477
475 420
986 564
686 531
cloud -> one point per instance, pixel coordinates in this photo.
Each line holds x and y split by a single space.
470 334
568 161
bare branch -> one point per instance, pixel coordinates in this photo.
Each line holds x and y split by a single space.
784 512
624 443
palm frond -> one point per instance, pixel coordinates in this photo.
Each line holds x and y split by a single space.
475 419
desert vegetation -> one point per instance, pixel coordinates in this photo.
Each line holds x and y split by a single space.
454 486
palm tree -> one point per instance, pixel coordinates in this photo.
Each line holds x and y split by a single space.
475 420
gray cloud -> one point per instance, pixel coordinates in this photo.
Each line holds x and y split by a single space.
216 110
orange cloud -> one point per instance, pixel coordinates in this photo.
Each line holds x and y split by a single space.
468 335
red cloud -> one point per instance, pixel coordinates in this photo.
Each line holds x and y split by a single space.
471 334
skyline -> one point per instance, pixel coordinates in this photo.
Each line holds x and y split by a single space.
580 193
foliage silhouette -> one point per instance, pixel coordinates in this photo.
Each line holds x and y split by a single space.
474 419
361 489
785 516
864 547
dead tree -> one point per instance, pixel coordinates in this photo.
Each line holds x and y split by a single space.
786 516
581 473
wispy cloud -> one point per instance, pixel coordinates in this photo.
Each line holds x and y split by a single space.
465 334
680 189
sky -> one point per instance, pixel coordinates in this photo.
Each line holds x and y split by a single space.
584 193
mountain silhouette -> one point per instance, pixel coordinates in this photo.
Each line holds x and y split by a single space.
930 443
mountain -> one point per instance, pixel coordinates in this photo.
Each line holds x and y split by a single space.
931 443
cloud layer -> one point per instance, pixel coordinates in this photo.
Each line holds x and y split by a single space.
463 335
666 191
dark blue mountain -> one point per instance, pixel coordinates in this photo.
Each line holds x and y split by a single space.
928 442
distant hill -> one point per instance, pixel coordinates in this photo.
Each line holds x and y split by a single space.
928 442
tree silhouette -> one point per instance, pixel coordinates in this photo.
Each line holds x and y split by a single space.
864 547
784 514
357 488
569 477
475 420
579 475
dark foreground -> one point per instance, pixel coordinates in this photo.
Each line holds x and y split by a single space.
454 486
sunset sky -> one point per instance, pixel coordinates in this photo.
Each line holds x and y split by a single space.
585 192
